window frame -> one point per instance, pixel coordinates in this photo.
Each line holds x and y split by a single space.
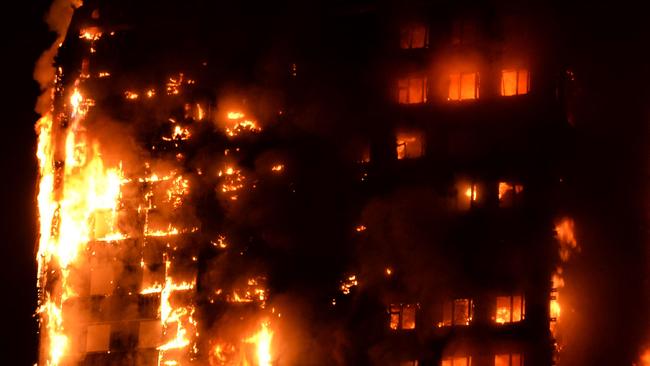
419 137
454 359
459 96
510 354
407 32
400 316
517 72
452 322
511 298
424 80
511 188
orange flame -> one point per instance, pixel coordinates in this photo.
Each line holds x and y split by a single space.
348 283
81 208
178 320
645 358
565 236
262 340
237 123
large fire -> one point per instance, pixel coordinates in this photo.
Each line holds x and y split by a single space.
567 243
83 203
253 350
146 209
77 200
262 341
237 122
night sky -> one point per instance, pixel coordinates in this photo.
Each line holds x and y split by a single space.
28 37
607 46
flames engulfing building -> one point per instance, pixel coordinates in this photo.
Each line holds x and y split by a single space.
217 188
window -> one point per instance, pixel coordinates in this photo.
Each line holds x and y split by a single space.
153 274
124 337
509 309
412 90
463 86
98 337
515 82
457 312
471 192
508 359
554 306
468 194
509 193
402 316
463 32
148 305
409 145
456 361
414 36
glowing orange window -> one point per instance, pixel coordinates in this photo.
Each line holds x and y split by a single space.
456 361
554 307
402 316
509 309
509 193
468 195
515 82
412 90
463 86
409 145
414 36
508 359
471 192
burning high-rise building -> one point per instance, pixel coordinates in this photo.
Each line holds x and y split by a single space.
348 184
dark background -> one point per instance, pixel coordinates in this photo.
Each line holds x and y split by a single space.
28 38
606 44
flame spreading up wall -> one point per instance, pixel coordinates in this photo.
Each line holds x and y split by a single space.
567 246
90 206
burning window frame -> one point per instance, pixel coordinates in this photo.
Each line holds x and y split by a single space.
512 301
397 318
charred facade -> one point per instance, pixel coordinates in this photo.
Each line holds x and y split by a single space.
366 184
